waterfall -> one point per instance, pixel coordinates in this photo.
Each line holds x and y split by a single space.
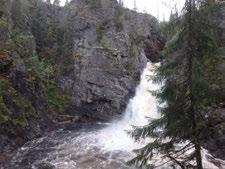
106 148
140 109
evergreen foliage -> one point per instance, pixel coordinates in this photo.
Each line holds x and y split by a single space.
67 2
119 19
24 107
57 101
121 3
48 2
36 72
18 16
190 86
40 70
168 29
56 2
101 30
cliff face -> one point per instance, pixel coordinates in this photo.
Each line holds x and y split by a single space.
24 109
88 54
110 49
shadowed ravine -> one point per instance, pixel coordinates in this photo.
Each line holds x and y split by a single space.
101 146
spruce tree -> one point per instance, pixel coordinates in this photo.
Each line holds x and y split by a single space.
67 2
48 2
17 14
56 2
135 5
121 3
189 76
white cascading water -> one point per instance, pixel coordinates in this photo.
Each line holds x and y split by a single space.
107 148
139 109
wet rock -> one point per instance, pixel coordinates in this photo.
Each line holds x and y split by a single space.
45 165
216 125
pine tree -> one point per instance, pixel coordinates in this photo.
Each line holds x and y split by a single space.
121 3
67 2
189 79
17 15
56 2
48 2
135 5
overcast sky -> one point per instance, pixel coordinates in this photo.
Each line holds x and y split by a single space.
158 8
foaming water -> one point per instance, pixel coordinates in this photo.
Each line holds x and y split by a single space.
139 109
93 148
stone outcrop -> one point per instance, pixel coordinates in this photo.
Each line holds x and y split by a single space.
111 46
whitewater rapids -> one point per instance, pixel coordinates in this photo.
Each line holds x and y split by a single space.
95 147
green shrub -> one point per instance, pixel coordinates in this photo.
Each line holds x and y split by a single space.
119 20
25 45
105 43
23 107
57 101
3 33
3 26
101 30
5 113
38 68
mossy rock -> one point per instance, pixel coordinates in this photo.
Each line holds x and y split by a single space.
3 32
14 108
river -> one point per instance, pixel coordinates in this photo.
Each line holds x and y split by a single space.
99 146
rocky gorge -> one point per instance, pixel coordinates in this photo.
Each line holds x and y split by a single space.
69 67
83 59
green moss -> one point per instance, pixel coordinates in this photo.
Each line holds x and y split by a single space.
130 67
23 107
2 85
4 33
57 101
101 30
25 45
5 112
38 69
136 37
119 20
3 25
24 39
105 43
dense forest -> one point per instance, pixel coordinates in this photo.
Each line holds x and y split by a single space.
66 67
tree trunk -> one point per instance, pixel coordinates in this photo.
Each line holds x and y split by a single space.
198 156
191 49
